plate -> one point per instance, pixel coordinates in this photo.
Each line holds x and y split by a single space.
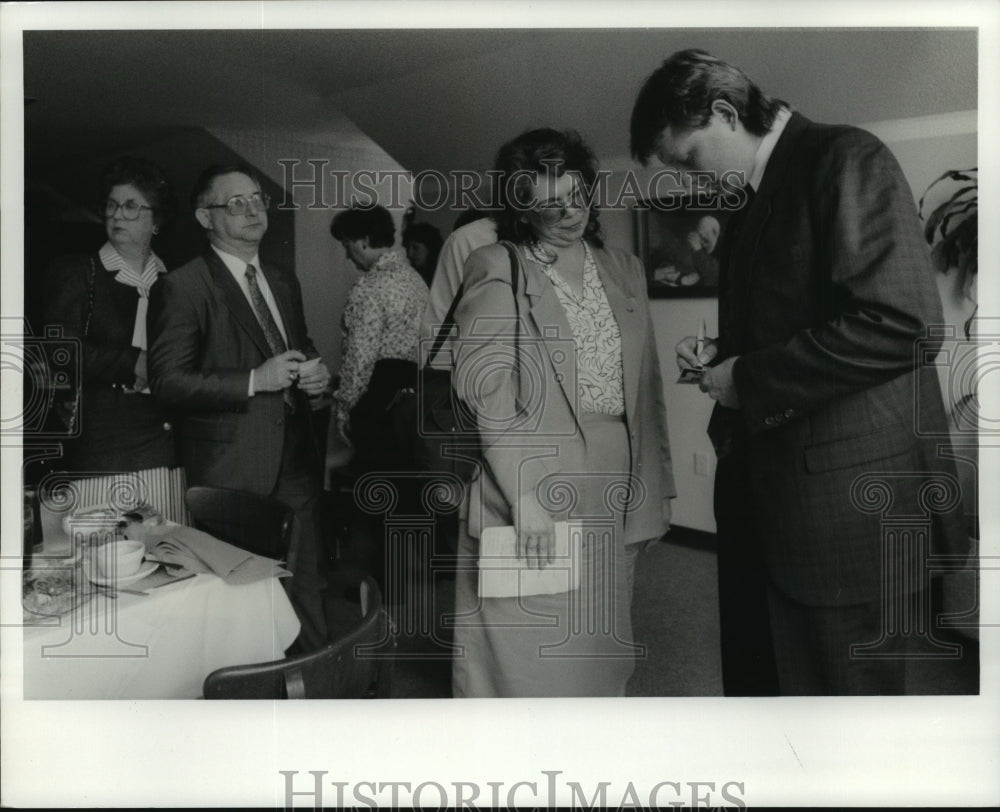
147 568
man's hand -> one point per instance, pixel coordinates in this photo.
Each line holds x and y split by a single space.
278 373
536 538
717 382
315 382
687 352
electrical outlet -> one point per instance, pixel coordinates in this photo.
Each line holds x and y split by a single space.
700 464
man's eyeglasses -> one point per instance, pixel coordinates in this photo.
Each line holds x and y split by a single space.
130 209
553 211
237 206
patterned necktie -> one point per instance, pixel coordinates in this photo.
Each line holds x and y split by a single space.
264 315
267 322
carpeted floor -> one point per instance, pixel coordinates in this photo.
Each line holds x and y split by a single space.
675 616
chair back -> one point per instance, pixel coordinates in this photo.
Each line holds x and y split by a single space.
357 665
258 524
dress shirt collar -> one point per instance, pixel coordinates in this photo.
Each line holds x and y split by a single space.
238 267
766 147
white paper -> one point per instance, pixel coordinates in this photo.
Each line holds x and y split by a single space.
503 575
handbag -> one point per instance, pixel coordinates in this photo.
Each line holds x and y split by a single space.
447 433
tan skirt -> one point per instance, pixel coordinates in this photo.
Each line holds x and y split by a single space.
576 643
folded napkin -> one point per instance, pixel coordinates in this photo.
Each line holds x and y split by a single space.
196 551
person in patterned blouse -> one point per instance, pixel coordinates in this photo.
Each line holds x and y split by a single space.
381 327
562 372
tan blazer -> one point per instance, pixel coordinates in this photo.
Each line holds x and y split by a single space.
526 400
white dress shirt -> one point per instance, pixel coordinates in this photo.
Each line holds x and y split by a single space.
238 268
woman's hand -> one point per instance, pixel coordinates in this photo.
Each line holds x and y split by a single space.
536 538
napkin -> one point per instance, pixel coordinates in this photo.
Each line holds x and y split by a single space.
196 551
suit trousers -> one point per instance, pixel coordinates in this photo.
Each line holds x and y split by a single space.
812 646
299 487
748 667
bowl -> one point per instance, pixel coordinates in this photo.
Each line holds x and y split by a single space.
119 559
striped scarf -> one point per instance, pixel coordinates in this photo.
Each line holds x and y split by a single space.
115 262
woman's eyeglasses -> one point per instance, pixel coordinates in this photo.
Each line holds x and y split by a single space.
553 211
237 206
130 209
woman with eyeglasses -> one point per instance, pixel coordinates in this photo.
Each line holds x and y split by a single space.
555 354
101 300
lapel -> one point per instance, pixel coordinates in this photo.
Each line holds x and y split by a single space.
283 297
628 315
229 293
743 255
551 326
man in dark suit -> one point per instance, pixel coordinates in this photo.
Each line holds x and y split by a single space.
826 287
227 336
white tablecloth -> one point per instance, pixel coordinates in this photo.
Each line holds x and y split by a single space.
156 646
160 646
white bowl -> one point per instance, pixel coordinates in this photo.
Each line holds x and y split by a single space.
119 559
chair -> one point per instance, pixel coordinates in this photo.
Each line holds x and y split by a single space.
258 524
357 665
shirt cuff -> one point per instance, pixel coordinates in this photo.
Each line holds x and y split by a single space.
250 387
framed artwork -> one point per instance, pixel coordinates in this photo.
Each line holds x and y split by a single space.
677 244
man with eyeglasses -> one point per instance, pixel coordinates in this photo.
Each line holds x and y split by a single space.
228 346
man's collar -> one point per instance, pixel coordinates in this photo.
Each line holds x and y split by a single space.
766 146
237 267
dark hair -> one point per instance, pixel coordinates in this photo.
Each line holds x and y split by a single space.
373 222
426 234
680 94
145 176
534 154
203 186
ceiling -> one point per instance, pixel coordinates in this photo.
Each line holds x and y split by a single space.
446 98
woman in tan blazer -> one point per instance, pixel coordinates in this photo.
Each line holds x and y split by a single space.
557 359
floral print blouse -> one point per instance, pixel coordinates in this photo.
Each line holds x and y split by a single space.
597 337
381 320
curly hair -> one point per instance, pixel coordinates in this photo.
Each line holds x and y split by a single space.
519 164
145 176
373 222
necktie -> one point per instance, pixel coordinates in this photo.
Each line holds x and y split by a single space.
267 322
264 315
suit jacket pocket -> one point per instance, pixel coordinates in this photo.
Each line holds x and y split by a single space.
888 441
217 428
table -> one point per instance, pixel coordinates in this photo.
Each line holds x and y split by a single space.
156 646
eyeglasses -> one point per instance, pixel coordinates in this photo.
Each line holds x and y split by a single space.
553 211
130 209
237 206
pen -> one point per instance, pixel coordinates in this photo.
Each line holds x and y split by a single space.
700 343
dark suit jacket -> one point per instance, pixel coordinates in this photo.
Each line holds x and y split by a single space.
118 431
827 292
551 440
203 341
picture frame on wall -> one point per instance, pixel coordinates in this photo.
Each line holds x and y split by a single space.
678 244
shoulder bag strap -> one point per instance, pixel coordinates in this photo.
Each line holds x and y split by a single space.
514 278
446 326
